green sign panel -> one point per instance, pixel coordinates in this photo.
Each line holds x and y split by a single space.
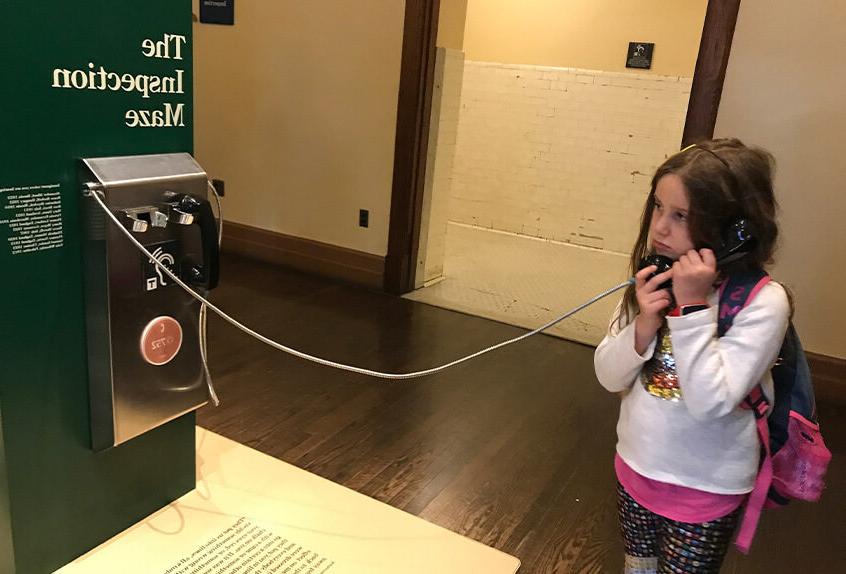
89 78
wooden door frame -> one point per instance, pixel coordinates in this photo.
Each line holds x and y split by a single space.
710 71
415 104
420 32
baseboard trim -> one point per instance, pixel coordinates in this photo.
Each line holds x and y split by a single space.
829 375
347 265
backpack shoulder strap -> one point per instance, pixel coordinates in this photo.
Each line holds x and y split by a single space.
735 293
758 496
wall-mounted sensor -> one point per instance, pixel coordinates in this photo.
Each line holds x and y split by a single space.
640 55
363 218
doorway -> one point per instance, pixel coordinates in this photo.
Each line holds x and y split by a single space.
540 152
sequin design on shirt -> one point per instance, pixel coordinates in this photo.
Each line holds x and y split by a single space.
658 375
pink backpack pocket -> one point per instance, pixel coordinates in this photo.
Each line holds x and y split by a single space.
800 465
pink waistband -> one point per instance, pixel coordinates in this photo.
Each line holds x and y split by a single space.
673 501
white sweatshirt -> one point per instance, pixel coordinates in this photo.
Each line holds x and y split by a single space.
704 441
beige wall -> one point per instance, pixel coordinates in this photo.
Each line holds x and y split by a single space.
786 93
451 20
592 34
295 107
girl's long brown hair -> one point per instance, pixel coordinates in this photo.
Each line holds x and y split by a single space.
725 181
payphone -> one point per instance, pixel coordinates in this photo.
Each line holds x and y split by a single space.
145 361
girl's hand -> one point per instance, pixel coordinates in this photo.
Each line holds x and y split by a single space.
652 302
693 276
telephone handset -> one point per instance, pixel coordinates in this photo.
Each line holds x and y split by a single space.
187 209
738 240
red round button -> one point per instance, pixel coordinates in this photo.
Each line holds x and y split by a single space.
161 340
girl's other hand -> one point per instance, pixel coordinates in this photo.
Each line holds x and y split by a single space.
652 302
694 275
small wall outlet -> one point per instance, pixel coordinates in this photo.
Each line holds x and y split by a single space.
219 186
363 218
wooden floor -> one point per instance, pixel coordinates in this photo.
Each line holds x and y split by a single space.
513 449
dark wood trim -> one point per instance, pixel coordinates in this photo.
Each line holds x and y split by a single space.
710 72
412 138
829 375
323 259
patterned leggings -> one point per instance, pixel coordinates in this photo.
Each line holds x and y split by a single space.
659 545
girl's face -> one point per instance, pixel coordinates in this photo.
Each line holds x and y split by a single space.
668 230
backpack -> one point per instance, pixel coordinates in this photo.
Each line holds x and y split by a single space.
795 457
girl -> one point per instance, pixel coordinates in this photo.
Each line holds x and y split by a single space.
687 454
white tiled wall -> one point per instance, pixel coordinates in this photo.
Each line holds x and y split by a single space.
443 130
561 153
